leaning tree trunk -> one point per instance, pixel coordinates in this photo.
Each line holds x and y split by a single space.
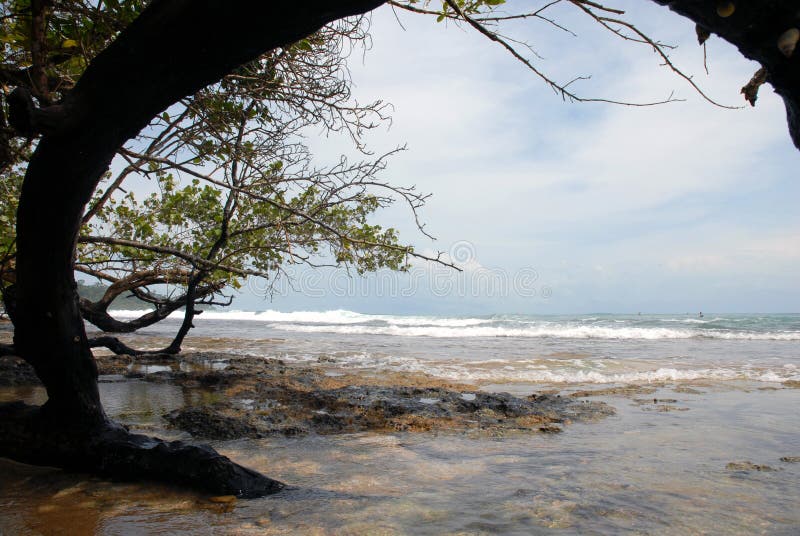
174 48
97 314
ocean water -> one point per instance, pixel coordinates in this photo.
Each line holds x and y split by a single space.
712 395
596 349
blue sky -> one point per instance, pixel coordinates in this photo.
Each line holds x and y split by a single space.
673 208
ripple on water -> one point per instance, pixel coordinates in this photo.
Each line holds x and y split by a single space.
640 471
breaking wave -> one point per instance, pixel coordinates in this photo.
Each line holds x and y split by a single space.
620 327
568 332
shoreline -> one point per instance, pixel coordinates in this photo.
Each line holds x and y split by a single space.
253 397
673 458
248 397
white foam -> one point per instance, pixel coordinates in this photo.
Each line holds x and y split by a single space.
593 371
333 317
595 377
553 330
349 322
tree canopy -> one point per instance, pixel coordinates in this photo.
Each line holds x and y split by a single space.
234 188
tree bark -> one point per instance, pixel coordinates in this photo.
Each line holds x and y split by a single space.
98 315
173 49
754 28
174 347
28 435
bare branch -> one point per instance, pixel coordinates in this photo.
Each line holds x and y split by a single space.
658 48
558 88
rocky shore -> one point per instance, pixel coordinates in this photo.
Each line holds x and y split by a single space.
252 397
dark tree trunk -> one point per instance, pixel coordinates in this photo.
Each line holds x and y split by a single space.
97 312
29 435
172 50
188 319
754 28
97 315
174 347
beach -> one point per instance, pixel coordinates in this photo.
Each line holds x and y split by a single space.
594 424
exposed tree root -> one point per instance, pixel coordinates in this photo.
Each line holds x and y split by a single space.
120 348
29 435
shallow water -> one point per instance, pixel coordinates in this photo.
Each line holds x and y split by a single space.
645 470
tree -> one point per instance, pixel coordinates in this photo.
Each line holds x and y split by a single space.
261 204
153 63
173 49
476 15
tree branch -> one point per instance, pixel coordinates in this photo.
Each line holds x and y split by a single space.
188 257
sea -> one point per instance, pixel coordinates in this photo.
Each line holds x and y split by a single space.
705 438
510 348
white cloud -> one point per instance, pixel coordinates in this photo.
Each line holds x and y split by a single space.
684 188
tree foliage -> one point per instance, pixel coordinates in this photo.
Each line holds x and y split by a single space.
234 190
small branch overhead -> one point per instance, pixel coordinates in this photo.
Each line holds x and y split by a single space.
486 22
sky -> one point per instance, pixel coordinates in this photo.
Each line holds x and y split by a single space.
559 207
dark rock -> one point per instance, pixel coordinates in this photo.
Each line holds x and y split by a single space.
747 466
270 410
256 397
550 429
204 422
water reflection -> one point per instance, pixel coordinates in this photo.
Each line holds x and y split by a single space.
642 471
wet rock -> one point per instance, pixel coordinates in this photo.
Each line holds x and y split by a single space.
325 422
256 397
625 390
358 408
747 466
792 383
550 429
108 365
662 405
207 423
688 390
791 459
157 359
